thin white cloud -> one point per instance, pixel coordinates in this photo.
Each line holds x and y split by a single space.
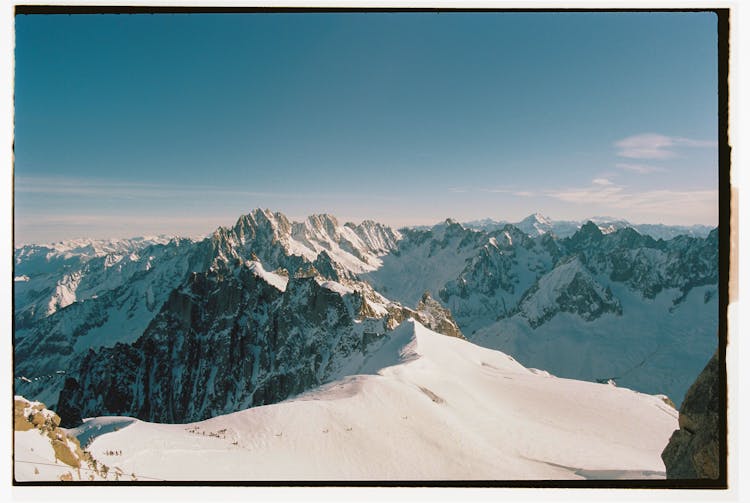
108 189
656 146
664 202
499 191
643 169
602 182
121 190
83 220
513 191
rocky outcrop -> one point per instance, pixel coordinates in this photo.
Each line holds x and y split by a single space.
437 318
694 450
228 340
29 415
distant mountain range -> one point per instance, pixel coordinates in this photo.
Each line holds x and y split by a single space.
537 224
178 330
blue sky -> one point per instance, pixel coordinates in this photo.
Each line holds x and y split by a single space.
139 124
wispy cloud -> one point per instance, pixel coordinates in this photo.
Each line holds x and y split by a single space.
665 202
122 190
601 182
112 189
510 190
514 192
656 146
643 169
85 220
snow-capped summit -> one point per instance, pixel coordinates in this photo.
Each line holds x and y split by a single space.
535 224
569 287
272 237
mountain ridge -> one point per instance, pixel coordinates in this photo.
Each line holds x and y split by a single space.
425 407
342 288
536 224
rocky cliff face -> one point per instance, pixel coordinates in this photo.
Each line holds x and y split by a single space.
240 334
434 316
114 291
229 339
694 450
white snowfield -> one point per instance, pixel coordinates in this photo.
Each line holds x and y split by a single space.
434 408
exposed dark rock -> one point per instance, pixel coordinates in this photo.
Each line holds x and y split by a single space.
69 410
694 450
436 317
228 340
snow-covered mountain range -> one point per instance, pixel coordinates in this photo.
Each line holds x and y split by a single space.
178 330
537 224
423 406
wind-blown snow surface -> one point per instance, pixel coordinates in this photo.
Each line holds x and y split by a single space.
437 408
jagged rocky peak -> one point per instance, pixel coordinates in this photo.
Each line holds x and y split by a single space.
587 236
590 229
262 220
437 317
510 235
380 238
449 223
447 230
328 268
535 224
570 288
630 238
323 221
536 218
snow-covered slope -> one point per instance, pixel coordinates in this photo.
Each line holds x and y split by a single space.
53 276
429 407
650 345
424 261
582 296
